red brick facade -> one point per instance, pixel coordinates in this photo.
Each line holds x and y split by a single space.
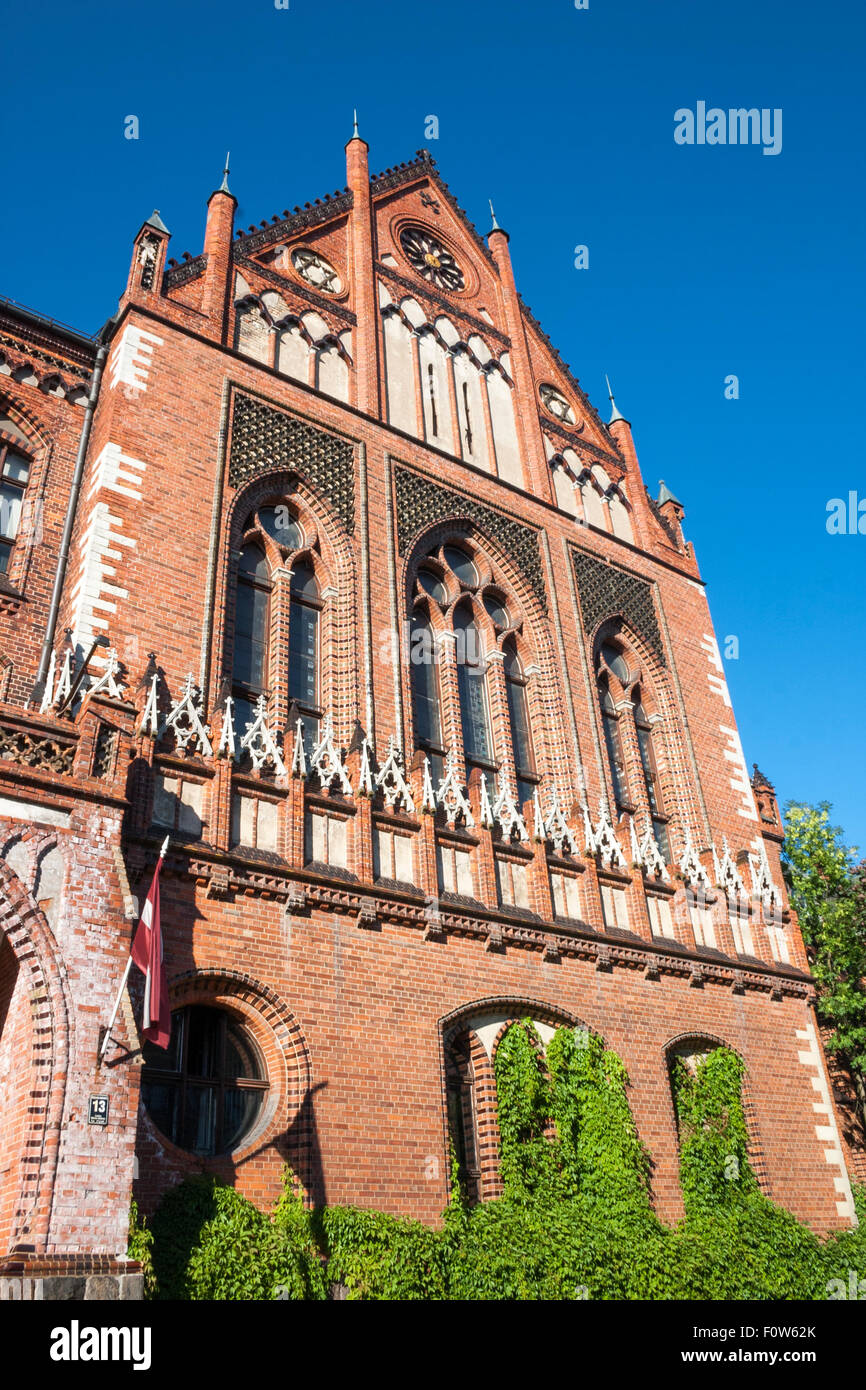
367 364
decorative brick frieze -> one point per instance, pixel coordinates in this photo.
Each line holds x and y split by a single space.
607 591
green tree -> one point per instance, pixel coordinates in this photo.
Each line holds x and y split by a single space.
829 894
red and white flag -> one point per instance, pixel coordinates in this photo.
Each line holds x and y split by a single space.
148 954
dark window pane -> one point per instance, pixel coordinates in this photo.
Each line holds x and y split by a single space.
432 585
644 739
281 526
304 581
425 684
205 1041
5 552
198 1126
240 1110
616 662
615 758
525 791
519 726
251 635
660 833
461 564
253 564
499 613
303 653
240 1058
473 712
161 1102
244 714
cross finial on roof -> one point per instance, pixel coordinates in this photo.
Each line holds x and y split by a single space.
224 186
614 414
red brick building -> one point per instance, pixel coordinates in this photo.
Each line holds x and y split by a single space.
320 562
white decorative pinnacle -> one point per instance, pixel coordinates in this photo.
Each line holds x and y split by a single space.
648 855
227 746
391 780
486 808
185 720
762 877
450 796
150 717
506 812
299 756
556 827
691 868
260 743
64 682
428 796
48 693
604 841
325 760
365 782
588 832
726 873
108 683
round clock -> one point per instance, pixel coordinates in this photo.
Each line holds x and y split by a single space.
430 259
555 402
316 270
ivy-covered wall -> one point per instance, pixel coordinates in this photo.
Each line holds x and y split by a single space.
575 1219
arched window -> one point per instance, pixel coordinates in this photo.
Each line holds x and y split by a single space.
425 685
207 1090
14 472
304 647
643 728
518 713
249 670
472 687
462 1126
613 742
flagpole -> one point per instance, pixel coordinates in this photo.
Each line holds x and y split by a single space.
105 1040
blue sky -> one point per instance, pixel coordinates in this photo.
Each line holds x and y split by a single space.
703 261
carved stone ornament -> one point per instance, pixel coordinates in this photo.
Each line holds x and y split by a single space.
326 762
184 720
605 843
450 796
260 743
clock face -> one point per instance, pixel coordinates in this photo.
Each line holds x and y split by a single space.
430 259
555 402
317 271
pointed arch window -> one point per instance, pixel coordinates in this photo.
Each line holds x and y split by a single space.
304 665
250 660
14 472
426 714
518 714
613 743
472 689
643 729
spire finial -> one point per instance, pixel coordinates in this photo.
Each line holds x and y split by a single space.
614 414
496 227
224 186
355 135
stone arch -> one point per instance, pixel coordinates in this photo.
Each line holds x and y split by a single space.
39 990
700 1043
477 1029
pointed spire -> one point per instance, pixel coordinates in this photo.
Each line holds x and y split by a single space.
496 227
224 186
355 135
665 495
614 414
157 223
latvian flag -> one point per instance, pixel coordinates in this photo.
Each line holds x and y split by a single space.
147 953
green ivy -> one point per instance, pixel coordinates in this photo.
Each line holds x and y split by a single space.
575 1220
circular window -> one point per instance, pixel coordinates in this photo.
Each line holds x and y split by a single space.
554 401
206 1091
430 259
432 585
281 526
461 564
497 610
316 270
